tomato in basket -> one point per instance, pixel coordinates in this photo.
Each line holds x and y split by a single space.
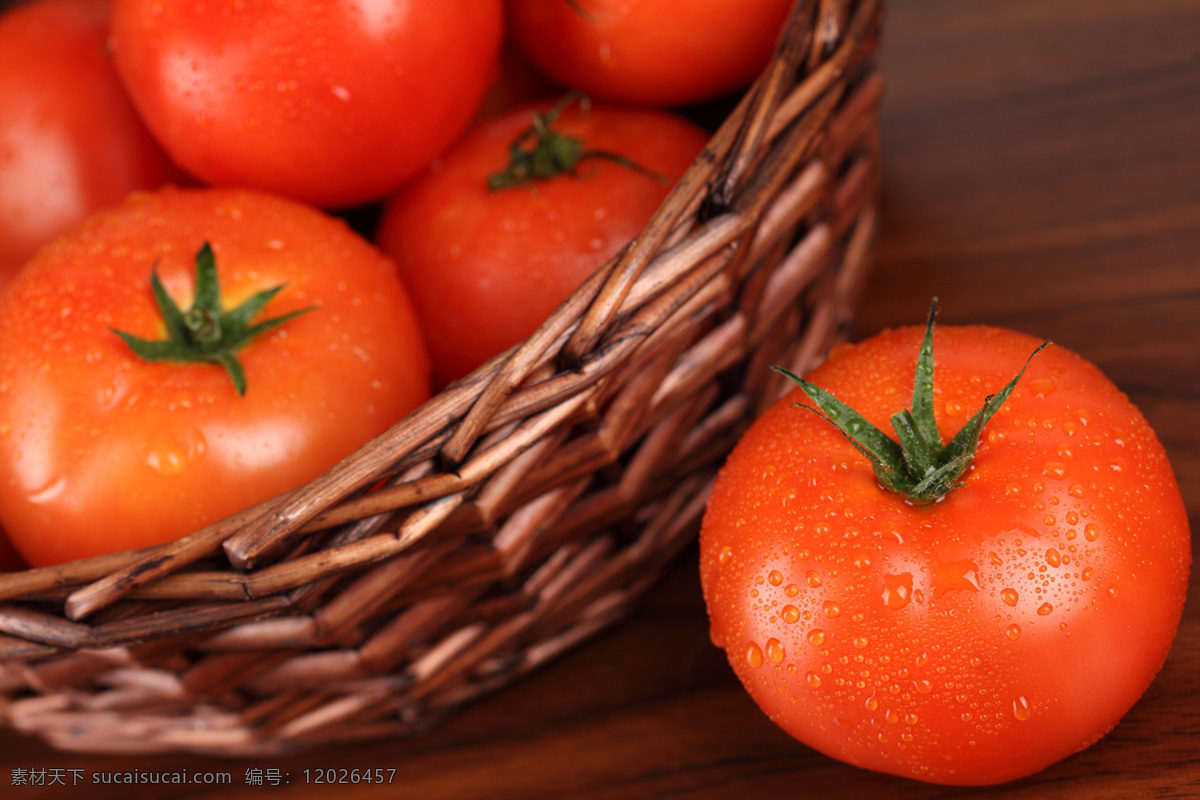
330 101
304 346
70 140
980 619
490 242
649 52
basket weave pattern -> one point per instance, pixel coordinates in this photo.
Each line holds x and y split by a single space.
519 511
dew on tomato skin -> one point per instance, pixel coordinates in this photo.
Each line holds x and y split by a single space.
1053 558
1055 469
716 637
813 578
1009 596
816 637
897 590
1013 632
790 614
813 680
1091 532
775 651
1021 709
775 578
1045 609
831 609
754 656
1087 573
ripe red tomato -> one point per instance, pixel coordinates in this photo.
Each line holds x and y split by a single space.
101 450
971 640
652 52
9 560
70 140
486 267
334 102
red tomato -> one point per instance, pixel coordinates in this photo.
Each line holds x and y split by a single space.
972 640
103 451
9 560
486 267
70 141
653 52
335 102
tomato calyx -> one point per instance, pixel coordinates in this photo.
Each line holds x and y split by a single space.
207 332
916 464
552 153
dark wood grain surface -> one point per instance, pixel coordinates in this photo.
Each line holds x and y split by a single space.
1042 173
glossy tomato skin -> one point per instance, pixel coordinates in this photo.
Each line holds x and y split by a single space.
70 140
101 451
485 268
650 52
975 640
333 102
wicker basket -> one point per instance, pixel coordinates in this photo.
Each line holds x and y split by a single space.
519 511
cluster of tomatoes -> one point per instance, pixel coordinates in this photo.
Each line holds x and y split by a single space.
238 240
191 325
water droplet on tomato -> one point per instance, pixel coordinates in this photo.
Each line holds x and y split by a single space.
725 556
814 680
813 578
1021 709
954 408
790 614
872 703
1014 631
1053 558
897 590
1041 387
754 656
831 609
1091 531
1087 573
716 637
924 685
860 642
169 455
1009 596
1076 491
775 651
956 576
816 637
775 578
1072 518
1045 609
1112 591
1055 469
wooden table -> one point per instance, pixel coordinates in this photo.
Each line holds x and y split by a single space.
1043 173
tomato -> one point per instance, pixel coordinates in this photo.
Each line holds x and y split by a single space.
487 266
973 639
334 102
70 141
652 52
102 450
9 560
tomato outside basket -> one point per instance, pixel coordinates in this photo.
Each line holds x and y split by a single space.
522 509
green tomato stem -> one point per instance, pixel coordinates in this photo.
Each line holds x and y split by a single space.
206 332
915 464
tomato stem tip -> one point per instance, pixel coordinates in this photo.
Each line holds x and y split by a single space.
552 153
206 332
916 464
